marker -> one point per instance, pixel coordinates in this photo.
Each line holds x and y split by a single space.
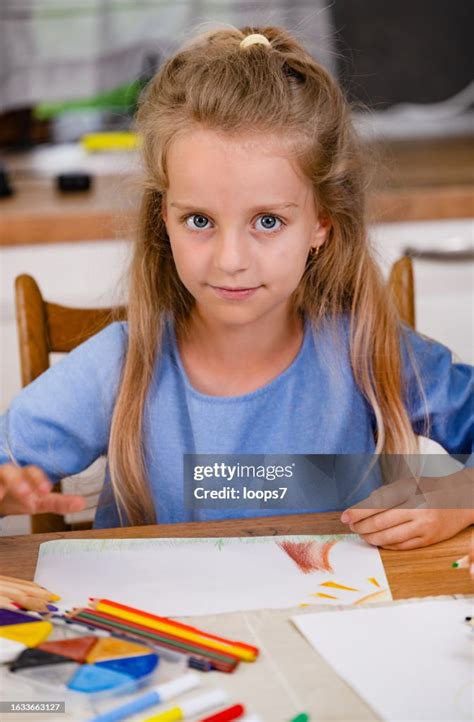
227 715
303 717
191 707
159 694
461 563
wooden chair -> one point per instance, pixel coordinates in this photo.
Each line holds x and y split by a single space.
402 287
45 328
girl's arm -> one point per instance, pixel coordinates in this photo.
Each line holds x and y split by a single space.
390 517
59 424
448 394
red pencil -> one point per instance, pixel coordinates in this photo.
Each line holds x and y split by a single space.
179 625
226 715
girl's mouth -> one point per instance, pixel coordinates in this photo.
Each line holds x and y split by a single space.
234 294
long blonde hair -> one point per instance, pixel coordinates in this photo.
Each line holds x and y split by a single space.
280 89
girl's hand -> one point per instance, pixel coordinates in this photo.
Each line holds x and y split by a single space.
406 528
18 592
27 490
391 516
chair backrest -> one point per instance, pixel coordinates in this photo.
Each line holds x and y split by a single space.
402 287
45 328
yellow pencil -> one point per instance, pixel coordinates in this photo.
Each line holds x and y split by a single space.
25 594
246 654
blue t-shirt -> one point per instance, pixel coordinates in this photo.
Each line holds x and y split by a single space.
61 421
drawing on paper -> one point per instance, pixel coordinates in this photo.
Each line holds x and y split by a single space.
208 575
380 596
310 556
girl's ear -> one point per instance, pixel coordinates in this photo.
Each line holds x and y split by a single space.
164 208
320 232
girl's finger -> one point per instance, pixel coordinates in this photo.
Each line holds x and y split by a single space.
395 535
17 483
414 543
353 515
382 520
38 478
386 497
60 504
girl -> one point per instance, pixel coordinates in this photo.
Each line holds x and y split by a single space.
257 319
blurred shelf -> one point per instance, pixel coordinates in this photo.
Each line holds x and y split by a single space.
413 180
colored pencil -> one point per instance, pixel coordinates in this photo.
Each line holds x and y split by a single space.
115 622
168 653
462 563
221 661
243 651
179 625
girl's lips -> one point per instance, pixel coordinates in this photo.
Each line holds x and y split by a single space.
234 294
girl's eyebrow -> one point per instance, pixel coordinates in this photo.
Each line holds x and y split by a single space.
262 207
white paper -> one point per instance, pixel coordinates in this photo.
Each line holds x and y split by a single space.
183 577
410 661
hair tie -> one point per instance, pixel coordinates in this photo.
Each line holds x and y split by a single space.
255 39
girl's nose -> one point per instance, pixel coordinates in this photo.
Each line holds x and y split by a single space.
231 252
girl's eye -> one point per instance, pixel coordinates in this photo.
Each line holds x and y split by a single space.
269 223
196 222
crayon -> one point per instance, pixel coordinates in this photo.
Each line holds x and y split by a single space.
222 662
462 563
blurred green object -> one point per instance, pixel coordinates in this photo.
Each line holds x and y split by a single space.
123 98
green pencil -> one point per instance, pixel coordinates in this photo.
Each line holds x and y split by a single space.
462 563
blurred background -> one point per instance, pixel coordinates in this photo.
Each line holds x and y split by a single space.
70 69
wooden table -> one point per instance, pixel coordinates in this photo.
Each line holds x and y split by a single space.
415 573
420 572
